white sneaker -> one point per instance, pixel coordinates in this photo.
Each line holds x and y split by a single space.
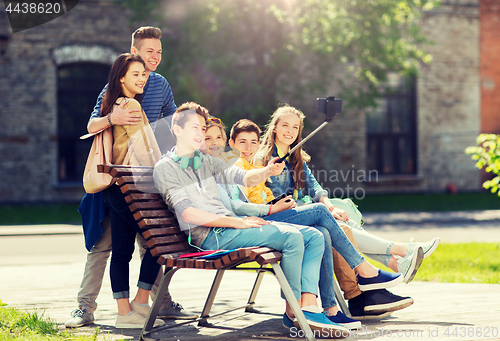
428 247
134 320
80 317
143 310
409 264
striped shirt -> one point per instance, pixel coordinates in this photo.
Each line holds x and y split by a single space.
157 99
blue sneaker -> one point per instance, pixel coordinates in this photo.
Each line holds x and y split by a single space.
287 321
343 320
318 320
383 280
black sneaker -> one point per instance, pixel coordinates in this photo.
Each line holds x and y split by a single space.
381 301
357 305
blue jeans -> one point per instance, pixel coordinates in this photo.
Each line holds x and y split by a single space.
123 231
372 246
319 217
301 247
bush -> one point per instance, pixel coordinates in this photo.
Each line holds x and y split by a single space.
487 154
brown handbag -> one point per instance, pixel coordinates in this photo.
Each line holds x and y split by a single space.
100 153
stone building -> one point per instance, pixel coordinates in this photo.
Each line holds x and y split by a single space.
415 141
51 75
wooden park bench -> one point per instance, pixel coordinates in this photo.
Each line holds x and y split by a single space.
163 235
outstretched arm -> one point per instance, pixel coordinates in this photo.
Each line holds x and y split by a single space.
198 217
254 177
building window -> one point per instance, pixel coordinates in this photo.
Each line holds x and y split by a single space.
391 130
4 48
79 84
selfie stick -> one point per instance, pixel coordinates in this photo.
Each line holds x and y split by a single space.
330 107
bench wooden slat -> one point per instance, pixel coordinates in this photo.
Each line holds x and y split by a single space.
146 205
200 263
255 253
160 232
179 247
170 239
159 222
118 171
131 179
137 197
230 260
153 214
138 188
121 170
168 262
270 257
189 263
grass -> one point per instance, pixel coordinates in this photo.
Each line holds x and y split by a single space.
460 263
30 326
39 214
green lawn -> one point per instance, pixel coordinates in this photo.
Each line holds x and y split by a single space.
461 263
39 214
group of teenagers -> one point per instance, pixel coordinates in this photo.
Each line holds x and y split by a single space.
221 198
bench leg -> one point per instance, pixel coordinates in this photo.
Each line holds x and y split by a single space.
211 297
340 299
290 297
160 294
253 294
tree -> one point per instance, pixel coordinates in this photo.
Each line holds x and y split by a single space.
487 154
241 57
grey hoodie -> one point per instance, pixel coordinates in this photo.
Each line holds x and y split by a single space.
184 188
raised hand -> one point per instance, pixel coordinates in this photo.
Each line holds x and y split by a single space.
274 168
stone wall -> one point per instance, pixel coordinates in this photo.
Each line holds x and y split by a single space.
28 114
449 98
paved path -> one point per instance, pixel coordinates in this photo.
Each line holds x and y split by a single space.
48 273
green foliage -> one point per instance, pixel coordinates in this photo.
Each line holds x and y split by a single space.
236 57
463 263
460 263
16 325
140 9
17 322
487 155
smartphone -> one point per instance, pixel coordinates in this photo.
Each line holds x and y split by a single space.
275 200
